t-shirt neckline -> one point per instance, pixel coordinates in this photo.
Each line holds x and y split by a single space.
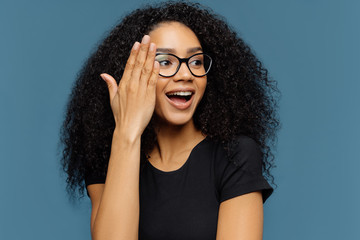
183 166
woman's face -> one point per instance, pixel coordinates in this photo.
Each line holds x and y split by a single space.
178 96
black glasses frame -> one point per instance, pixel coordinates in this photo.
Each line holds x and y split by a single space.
186 61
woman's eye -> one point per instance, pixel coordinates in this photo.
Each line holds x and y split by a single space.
196 63
164 63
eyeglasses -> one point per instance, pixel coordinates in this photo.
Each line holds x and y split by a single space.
199 64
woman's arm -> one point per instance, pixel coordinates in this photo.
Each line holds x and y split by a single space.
241 218
115 213
95 192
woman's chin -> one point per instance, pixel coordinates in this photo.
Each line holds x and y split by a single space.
176 119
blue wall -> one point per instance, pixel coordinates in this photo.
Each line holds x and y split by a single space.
310 47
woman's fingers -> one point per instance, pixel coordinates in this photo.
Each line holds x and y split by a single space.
147 69
140 59
130 64
111 83
133 100
154 75
139 69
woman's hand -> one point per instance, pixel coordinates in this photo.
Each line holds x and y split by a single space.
133 100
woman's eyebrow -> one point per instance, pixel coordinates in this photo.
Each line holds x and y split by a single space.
166 50
172 50
193 50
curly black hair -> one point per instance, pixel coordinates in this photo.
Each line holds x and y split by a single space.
240 98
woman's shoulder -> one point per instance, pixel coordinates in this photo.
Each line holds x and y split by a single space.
239 169
244 145
241 151
239 144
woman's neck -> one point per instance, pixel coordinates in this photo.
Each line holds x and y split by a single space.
174 141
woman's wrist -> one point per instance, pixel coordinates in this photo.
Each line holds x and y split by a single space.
126 135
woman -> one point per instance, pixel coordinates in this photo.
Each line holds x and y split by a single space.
180 151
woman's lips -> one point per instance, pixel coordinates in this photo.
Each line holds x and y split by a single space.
180 104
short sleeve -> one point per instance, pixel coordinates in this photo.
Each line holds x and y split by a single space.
93 178
242 172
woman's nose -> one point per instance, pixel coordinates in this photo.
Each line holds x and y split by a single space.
183 73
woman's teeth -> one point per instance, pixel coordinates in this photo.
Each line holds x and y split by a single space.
180 94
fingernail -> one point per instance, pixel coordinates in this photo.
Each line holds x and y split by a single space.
136 45
152 47
156 64
103 76
146 39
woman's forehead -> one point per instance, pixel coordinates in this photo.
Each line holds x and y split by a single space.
175 37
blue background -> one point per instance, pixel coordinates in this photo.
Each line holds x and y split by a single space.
310 47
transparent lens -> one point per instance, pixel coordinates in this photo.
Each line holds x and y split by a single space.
199 64
168 64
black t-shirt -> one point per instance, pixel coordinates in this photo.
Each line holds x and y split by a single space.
184 204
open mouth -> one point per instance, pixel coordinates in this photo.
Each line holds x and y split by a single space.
180 97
